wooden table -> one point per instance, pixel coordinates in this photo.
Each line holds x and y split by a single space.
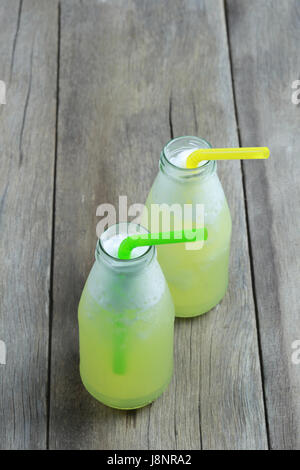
94 89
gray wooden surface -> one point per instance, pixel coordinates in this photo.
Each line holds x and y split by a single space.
266 62
28 51
94 90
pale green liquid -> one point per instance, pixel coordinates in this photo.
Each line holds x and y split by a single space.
197 279
126 360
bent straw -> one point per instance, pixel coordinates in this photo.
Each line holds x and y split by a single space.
161 238
243 153
124 252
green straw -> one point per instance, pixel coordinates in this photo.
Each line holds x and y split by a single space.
119 335
124 252
161 238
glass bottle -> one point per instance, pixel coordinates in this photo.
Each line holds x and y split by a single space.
126 322
197 276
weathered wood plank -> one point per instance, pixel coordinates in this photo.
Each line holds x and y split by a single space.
224 341
28 49
265 52
131 74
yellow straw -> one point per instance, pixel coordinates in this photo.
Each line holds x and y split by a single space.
243 153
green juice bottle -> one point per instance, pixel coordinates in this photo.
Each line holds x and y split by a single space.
126 323
197 275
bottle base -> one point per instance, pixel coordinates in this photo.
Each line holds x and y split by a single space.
129 404
182 313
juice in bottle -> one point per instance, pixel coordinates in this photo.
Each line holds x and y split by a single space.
197 278
126 321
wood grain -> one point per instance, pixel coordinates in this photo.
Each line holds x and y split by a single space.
264 40
133 74
28 50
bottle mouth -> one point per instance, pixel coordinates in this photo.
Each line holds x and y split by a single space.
126 229
175 147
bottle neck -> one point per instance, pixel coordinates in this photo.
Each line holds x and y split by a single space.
123 265
174 148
